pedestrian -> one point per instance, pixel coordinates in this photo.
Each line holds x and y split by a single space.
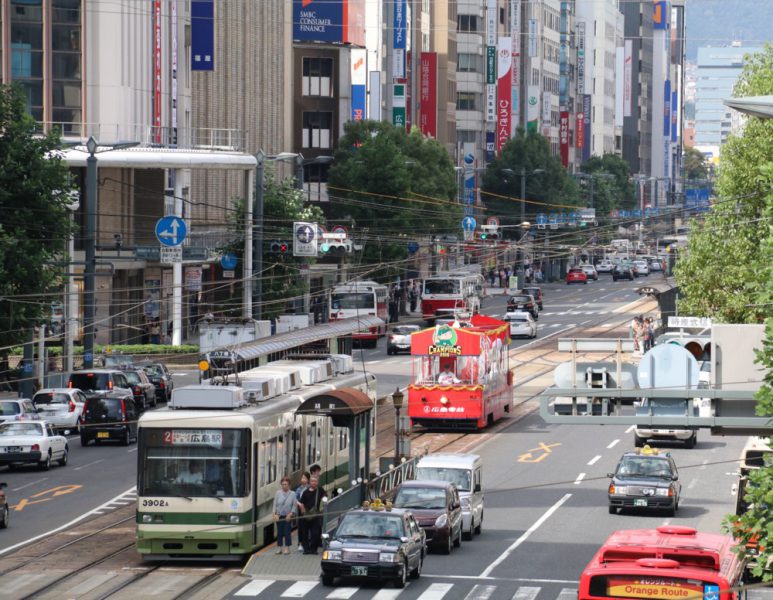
528 274
305 477
155 333
648 333
284 511
315 471
637 334
311 509
413 296
501 277
492 276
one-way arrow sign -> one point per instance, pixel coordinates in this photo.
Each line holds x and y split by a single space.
171 230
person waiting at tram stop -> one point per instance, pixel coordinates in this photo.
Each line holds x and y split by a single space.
283 513
447 377
311 510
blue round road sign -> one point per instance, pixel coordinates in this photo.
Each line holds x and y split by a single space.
469 223
413 247
171 230
228 261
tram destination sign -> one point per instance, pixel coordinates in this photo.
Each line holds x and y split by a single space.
194 437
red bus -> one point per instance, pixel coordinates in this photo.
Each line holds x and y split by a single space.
445 293
360 299
461 374
667 563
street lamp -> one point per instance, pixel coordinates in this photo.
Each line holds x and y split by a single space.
519 256
90 243
397 401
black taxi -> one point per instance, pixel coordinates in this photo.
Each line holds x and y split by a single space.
645 478
375 542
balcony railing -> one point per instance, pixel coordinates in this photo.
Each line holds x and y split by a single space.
210 139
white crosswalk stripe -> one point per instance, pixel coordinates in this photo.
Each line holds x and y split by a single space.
481 592
254 587
299 589
526 593
436 591
567 594
343 593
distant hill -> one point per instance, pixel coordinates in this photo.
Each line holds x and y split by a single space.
719 22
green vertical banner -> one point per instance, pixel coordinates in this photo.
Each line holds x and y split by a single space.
398 105
491 65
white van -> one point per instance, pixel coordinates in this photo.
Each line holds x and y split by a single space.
465 471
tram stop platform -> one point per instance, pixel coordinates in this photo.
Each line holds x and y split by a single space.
296 566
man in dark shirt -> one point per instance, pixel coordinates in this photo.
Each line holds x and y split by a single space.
311 501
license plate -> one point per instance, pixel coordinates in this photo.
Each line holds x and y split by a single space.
14 449
640 502
360 571
103 434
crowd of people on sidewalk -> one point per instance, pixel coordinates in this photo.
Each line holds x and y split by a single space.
304 505
500 276
642 331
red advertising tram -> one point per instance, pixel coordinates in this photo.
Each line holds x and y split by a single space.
461 374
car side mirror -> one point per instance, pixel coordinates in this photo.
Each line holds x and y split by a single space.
610 475
477 488
674 477
404 540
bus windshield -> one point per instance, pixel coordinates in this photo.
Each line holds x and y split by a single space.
193 462
363 300
441 286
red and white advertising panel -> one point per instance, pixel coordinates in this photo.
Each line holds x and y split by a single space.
579 131
428 94
504 91
157 70
563 136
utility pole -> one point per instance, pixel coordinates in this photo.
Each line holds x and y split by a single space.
89 271
257 237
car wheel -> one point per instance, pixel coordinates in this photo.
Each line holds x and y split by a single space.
449 543
692 441
6 517
328 580
671 511
65 454
480 525
154 403
467 535
612 510
84 440
585 282
416 573
400 581
45 465
127 438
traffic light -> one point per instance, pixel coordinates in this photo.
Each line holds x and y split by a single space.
279 247
335 247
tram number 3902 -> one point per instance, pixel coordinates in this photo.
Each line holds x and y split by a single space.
155 503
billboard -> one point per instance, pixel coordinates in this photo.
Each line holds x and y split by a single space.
359 84
491 42
532 38
661 12
202 35
563 137
334 21
627 78
504 95
399 35
667 109
157 70
398 105
581 58
586 109
515 53
579 131
547 113
674 116
428 94
532 109
619 84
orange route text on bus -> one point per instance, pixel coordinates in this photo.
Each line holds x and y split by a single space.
667 563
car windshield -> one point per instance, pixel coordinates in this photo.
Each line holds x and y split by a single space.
638 466
371 524
519 318
133 377
404 330
9 408
417 497
459 477
441 286
520 299
13 429
154 371
51 398
90 381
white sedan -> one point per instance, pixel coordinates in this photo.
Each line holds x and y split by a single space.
36 442
521 324
590 271
641 268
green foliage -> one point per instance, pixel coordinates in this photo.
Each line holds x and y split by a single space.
35 227
385 181
282 283
694 164
551 190
611 193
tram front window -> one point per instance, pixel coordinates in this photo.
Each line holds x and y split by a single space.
193 462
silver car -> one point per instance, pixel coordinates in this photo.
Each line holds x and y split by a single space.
60 407
17 409
399 339
521 324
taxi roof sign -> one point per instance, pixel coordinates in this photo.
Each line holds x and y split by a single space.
203 365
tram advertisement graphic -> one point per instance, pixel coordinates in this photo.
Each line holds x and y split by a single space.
194 437
634 586
444 342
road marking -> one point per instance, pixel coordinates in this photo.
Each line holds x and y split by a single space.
524 579
436 591
54 492
385 594
594 460
487 571
132 450
343 593
91 583
88 464
528 457
94 511
580 477
481 592
26 485
691 485
373 362
526 593
630 429
299 589
613 443
567 594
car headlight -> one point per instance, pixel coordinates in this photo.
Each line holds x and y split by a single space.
466 504
618 490
331 555
388 557
441 521
663 492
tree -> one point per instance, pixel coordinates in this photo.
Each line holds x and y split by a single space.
694 164
34 187
720 275
385 181
551 190
282 283
616 192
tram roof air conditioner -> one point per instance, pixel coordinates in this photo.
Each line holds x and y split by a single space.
223 397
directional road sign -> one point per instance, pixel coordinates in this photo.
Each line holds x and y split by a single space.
228 261
171 230
305 239
469 223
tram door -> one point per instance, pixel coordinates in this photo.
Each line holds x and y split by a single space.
254 488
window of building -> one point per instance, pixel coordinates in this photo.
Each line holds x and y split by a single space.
317 76
465 101
317 129
466 136
27 52
469 63
467 23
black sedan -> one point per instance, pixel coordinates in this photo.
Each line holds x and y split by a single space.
376 542
161 378
645 478
143 390
622 272
523 302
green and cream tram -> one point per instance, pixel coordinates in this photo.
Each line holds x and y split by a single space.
209 466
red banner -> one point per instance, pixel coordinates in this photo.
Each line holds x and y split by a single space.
563 136
579 131
504 92
428 94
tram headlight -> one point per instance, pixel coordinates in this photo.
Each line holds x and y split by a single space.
233 519
147 518
331 555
